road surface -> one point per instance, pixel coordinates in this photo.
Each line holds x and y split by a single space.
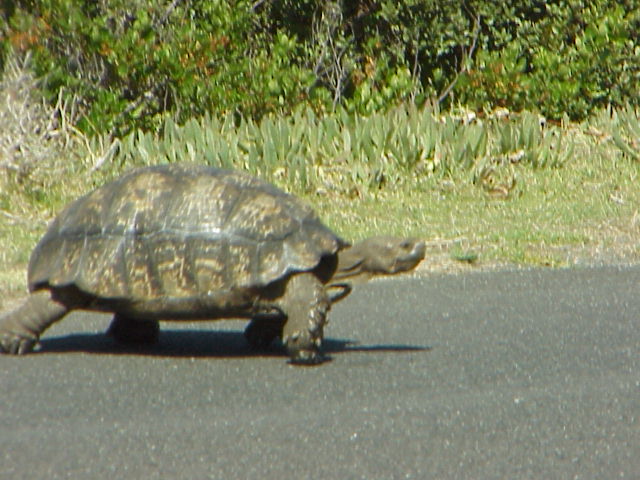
514 375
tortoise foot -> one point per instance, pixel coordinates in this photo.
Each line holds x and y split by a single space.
304 350
306 357
306 304
21 328
134 332
17 344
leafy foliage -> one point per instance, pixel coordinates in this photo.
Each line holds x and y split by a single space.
577 58
131 64
344 151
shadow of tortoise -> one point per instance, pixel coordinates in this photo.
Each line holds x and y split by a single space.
200 343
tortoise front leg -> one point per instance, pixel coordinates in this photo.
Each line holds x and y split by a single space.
306 304
263 330
21 328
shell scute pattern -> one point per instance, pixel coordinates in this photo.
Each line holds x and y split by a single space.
199 205
139 204
179 231
208 265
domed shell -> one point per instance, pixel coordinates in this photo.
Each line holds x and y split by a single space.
179 231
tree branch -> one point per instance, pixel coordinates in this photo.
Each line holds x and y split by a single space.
465 57
167 14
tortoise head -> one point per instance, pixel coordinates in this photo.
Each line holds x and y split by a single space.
380 255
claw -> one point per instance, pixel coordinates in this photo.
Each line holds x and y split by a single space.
16 344
306 358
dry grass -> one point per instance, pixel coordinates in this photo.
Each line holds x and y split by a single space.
33 132
38 155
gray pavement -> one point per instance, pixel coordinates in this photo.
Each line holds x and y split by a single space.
503 375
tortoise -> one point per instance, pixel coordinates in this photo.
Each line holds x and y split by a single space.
184 241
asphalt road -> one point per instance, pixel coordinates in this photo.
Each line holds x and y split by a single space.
505 375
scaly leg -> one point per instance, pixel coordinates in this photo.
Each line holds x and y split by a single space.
306 304
21 328
134 331
263 330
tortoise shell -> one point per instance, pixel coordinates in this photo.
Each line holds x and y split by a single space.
179 231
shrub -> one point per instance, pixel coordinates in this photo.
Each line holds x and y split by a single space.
577 58
131 64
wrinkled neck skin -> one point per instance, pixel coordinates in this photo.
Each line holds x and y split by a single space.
351 268
382 255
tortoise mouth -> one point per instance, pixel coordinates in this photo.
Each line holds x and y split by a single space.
411 259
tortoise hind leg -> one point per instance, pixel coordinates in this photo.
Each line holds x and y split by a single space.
21 328
306 305
133 331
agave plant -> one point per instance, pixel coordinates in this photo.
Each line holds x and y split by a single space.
341 150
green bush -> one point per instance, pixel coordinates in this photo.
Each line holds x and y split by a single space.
131 64
577 58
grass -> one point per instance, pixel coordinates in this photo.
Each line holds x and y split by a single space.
479 193
557 219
